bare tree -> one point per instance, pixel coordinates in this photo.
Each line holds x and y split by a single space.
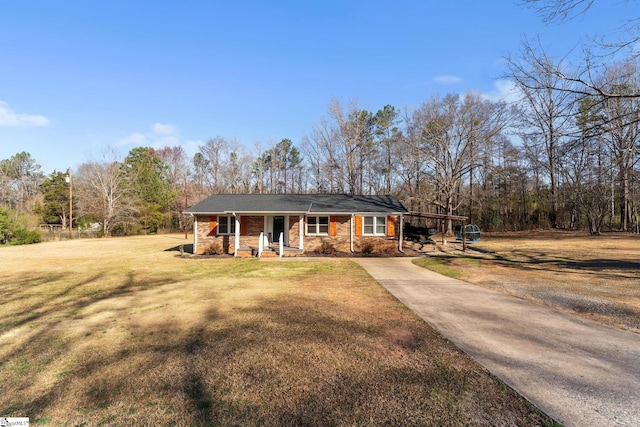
504 190
411 164
583 80
547 118
453 129
178 172
104 193
352 137
20 179
224 165
620 128
212 160
554 10
237 169
321 153
257 169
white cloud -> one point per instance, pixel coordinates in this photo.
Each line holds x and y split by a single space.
159 136
162 129
447 79
504 90
135 138
10 119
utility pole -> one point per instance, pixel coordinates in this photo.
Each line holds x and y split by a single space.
69 181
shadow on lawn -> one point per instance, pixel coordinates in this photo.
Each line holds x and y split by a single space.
282 361
46 344
536 260
600 264
614 309
63 303
186 248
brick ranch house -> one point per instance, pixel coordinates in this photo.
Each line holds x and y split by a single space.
291 224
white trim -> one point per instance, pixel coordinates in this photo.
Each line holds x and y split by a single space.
375 218
352 227
301 229
286 230
269 230
236 242
400 234
229 219
317 225
261 244
195 235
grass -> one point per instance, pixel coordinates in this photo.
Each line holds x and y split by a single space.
125 331
441 265
591 276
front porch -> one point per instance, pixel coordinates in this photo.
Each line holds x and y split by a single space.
254 235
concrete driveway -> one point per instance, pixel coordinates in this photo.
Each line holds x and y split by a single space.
579 372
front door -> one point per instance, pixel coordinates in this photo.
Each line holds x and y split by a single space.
278 227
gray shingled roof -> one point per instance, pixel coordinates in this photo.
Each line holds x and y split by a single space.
297 203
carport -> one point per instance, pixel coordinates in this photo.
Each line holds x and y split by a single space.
442 222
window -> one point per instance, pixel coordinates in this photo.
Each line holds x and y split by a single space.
374 226
226 225
317 225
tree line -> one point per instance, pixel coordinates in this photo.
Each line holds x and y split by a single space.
552 160
566 155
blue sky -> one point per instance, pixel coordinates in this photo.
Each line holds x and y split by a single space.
77 77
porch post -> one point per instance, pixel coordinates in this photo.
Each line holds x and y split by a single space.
301 232
351 228
265 228
401 225
236 242
464 235
195 234
287 238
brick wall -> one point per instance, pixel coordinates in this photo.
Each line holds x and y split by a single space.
294 231
341 241
255 225
375 244
206 237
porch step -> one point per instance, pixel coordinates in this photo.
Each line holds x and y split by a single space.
269 254
244 252
288 251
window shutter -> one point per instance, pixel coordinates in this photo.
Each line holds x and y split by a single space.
243 225
213 226
358 225
391 226
333 226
